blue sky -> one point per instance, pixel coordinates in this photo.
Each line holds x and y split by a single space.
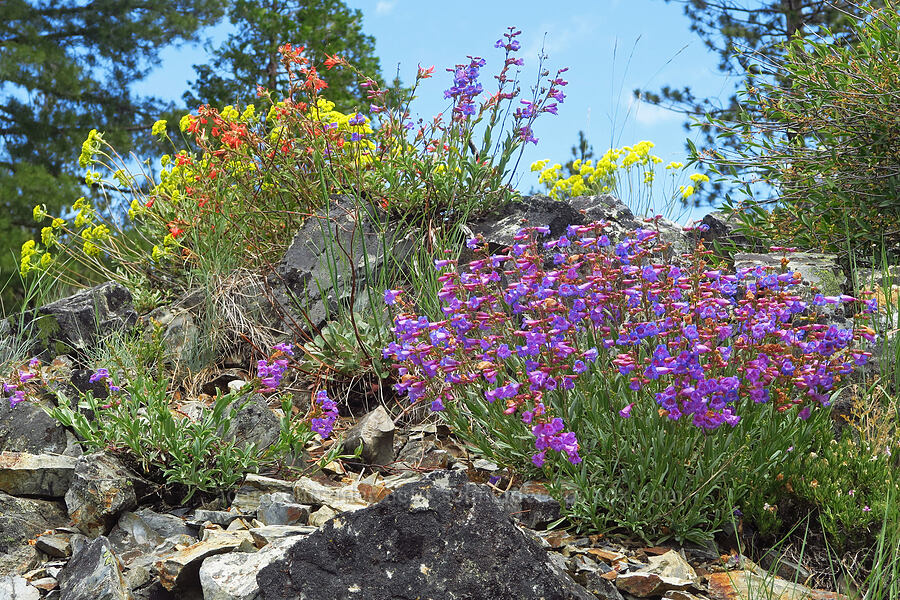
610 46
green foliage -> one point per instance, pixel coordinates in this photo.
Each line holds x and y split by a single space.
66 67
645 474
349 347
140 422
827 142
741 35
250 56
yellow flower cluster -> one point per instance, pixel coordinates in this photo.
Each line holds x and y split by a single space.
600 177
159 128
89 148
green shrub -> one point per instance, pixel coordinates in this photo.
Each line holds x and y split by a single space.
825 137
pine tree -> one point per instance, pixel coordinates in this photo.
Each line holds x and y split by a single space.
249 57
66 67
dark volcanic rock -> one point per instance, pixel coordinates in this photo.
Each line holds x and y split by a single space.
26 427
79 320
441 537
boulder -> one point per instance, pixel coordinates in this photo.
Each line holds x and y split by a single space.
102 489
375 431
93 573
340 498
26 427
21 520
441 537
78 321
233 576
254 423
46 475
180 334
499 228
248 496
13 587
340 240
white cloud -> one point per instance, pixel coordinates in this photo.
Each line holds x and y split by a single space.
648 114
383 7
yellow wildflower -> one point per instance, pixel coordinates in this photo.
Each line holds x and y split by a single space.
58 223
185 122
538 165
46 259
248 113
699 178
89 148
675 165
91 249
39 213
686 192
48 236
158 129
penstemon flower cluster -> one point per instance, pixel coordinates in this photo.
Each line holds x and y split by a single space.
542 321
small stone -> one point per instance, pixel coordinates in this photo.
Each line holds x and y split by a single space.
609 556
279 508
246 498
747 584
45 583
271 533
483 464
57 545
340 498
179 569
218 517
45 475
375 431
322 516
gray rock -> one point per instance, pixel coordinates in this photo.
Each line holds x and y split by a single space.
163 524
818 270
94 573
441 537
271 533
280 509
26 427
375 431
531 510
725 230
499 229
179 569
23 519
102 489
219 517
302 285
43 475
340 498
247 497
233 576
13 587
133 537
180 334
57 545
78 321
254 423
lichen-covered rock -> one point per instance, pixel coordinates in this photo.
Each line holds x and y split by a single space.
375 431
441 537
45 475
78 321
102 489
26 427
93 573
309 289
23 519
254 423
